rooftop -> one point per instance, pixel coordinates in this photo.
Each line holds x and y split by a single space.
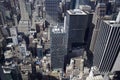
58 29
24 22
101 5
99 77
10 45
39 46
8 54
112 23
76 12
85 7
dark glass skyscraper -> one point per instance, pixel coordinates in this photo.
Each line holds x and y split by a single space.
58 48
51 7
76 23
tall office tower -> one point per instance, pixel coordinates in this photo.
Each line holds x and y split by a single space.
22 49
58 48
12 3
97 17
76 23
117 2
23 11
116 66
76 3
39 51
87 9
39 8
2 14
72 4
2 75
1 19
52 7
15 20
107 47
1 41
66 5
29 8
24 23
13 33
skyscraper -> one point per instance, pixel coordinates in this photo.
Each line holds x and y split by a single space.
76 23
76 3
98 16
58 48
1 19
1 42
12 3
107 46
24 23
39 8
116 66
15 20
2 75
51 7
73 3
23 11
2 14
